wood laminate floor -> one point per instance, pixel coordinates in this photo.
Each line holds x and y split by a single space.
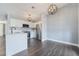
48 48
2 46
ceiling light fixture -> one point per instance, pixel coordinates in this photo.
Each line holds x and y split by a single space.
52 9
29 18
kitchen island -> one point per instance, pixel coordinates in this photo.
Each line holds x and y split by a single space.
15 43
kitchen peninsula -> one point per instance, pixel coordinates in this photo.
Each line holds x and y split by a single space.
16 41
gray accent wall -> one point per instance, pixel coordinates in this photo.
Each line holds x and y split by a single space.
63 26
78 23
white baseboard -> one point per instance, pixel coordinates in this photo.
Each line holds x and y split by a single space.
43 40
68 43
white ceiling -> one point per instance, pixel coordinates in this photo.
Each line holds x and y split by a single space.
21 10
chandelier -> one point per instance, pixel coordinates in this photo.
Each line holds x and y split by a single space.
29 18
52 9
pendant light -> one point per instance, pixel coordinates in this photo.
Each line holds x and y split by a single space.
52 9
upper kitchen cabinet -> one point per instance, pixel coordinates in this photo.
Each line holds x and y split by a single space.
19 23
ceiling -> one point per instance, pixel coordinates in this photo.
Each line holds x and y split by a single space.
21 10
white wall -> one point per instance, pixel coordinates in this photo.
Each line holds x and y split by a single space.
44 27
63 25
18 22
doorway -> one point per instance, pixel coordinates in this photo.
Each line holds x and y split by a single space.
2 39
